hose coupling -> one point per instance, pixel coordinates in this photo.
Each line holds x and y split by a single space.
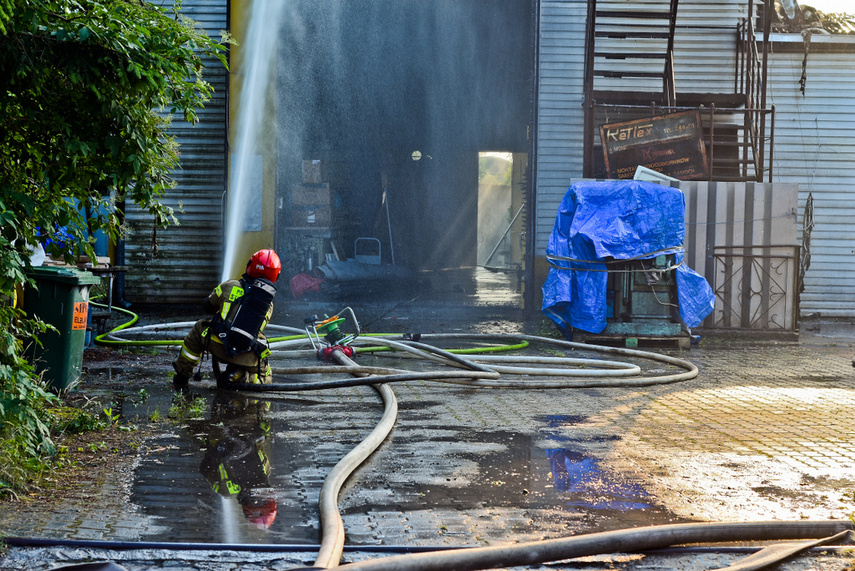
325 354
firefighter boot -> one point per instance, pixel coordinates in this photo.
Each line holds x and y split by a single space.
181 383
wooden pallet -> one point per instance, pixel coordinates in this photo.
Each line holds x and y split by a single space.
682 342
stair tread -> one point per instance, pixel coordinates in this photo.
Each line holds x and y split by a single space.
622 34
726 141
640 15
630 55
627 97
685 99
725 161
616 73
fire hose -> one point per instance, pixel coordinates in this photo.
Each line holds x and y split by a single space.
483 370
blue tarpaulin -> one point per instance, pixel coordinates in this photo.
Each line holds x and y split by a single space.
620 220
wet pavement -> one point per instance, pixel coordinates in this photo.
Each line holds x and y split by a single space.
765 432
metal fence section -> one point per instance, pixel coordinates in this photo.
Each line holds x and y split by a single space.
756 288
741 236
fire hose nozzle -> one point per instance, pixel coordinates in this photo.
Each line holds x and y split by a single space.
328 331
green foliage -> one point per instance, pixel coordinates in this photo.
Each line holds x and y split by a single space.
25 420
187 407
5 13
112 416
495 169
87 91
73 420
97 446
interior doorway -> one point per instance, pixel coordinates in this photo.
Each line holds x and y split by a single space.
501 210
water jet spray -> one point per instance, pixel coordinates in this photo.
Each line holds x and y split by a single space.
258 54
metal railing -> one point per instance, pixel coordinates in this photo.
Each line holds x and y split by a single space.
751 79
739 140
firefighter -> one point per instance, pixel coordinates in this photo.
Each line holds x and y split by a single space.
241 309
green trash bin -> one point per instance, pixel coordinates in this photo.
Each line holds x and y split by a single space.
61 298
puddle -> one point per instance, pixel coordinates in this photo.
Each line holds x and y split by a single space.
250 471
513 478
108 374
578 474
226 477
589 487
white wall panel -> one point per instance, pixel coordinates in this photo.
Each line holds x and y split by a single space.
815 148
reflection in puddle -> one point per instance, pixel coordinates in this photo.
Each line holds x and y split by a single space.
109 374
576 473
237 459
224 479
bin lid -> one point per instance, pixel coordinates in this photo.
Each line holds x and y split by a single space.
64 274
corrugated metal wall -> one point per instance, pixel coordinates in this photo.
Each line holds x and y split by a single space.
814 132
815 148
186 264
560 117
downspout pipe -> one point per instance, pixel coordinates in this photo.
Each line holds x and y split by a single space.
530 220
119 284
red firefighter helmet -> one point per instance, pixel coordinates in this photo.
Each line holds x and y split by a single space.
264 264
260 512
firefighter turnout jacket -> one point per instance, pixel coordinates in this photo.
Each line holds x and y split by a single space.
224 302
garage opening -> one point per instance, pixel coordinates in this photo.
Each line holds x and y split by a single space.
383 111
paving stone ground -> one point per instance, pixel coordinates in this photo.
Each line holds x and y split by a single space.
765 432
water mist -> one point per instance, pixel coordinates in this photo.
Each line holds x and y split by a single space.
258 48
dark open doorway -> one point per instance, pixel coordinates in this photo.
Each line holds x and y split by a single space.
382 109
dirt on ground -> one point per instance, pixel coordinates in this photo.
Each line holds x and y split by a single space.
85 457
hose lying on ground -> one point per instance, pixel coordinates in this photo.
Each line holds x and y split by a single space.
588 373
472 373
621 541
332 526
651 539
471 370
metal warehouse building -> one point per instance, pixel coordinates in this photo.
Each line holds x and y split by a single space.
385 118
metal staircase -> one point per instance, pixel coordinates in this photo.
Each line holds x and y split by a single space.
634 45
629 74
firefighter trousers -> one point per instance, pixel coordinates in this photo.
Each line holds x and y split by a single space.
199 340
